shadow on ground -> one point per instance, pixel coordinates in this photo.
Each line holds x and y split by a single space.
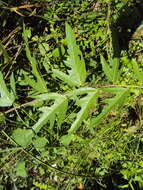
130 18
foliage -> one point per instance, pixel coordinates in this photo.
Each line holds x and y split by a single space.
72 113
77 74
7 98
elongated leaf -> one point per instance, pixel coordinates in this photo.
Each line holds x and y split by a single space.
81 91
121 94
111 70
115 69
39 84
86 104
136 70
76 60
77 74
58 109
12 84
65 77
106 68
6 98
35 85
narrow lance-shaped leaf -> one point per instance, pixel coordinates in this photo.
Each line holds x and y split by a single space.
76 58
111 70
106 68
121 94
86 104
39 84
12 84
81 91
75 61
115 69
64 77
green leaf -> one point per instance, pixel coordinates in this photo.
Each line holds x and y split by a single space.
23 136
121 94
6 98
115 69
81 91
64 77
21 170
86 104
12 84
106 68
1 186
138 74
2 117
46 63
58 110
39 84
58 51
44 48
66 139
40 143
35 85
111 70
77 74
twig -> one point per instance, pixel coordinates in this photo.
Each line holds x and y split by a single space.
20 106
118 85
